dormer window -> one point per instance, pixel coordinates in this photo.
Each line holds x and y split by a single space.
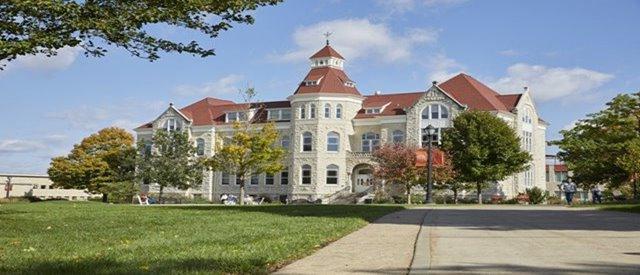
372 111
172 125
310 82
350 84
236 116
280 114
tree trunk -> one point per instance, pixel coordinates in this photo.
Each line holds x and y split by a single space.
635 189
479 190
408 195
105 198
241 200
160 195
455 196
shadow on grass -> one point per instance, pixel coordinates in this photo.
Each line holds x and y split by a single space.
164 266
366 212
573 268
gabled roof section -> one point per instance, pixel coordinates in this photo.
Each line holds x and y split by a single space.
473 93
327 51
332 80
510 101
397 103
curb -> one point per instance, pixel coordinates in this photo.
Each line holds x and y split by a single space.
419 262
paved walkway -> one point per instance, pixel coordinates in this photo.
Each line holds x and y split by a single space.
385 246
485 239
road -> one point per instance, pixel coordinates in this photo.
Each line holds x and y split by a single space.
517 239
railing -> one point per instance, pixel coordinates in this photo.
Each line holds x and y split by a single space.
361 154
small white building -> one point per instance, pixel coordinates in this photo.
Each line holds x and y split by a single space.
330 130
39 186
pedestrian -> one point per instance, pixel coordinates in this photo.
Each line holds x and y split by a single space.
569 189
596 194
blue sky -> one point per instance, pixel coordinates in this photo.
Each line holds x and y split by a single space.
574 56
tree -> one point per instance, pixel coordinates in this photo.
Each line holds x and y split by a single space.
604 147
396 164
98 164
445 178
171 162
45 26
483 148
252 149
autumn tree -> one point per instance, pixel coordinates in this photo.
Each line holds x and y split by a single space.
396 164
170 161
604 148
45 26
252 149
100 163
445 177
483 149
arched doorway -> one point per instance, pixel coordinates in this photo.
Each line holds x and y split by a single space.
362 178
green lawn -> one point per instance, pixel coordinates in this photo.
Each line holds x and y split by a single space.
66 237
632 208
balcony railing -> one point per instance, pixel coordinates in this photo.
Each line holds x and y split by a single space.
361 154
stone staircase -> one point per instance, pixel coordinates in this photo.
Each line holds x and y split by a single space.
345 196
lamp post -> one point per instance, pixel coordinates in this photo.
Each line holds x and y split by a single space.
430 131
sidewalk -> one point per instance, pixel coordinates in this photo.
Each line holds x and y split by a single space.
384 247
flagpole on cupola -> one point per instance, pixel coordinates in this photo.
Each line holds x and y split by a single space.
326 35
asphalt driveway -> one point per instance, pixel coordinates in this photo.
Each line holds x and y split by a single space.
543 240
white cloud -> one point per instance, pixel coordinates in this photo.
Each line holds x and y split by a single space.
20 146
358 38
441 68
550 83
401 6
510 52
40 62
225 85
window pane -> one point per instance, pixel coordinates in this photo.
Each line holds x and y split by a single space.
274 114
285 114
225 179
435 111
307 140
444 112
254 179
303 112
200 147
312 111
284 177
339 111
268 179
232 116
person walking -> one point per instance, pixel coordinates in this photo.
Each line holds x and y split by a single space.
569 189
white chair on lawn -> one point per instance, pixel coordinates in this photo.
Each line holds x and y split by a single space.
143 200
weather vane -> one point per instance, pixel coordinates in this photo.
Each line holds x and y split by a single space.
326 35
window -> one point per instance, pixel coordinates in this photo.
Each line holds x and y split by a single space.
147 148
303 112
172 125
435 139
307 142
306 174
435 111
43 187
327 110
333 142
226 178
350 84
528 177
339 111
254 179
285 141
236 116
526 117
527 140
274 114
372 111
398 136
285 114
268 179
238 181
200 147
370 142
284 176
332 174
280 114
312 111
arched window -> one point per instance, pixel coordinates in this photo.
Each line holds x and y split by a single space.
339 111
327 110
285 141
332 174
307 142
200 147
435 111
306 174
398 136
172 124
312 111
303 112
370 142
333 142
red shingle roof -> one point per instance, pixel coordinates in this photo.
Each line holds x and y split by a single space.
332 80
327 51
397 103
477 96
510 101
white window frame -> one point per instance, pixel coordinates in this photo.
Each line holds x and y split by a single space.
306 168
371 144
309 136
327 110
336 177
333 142
397 136
284 178
200 145
339 111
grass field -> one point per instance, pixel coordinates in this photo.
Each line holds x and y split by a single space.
632 208
72 238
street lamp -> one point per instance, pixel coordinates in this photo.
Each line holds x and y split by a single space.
430 131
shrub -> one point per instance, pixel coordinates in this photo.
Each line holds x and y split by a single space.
399 199
381 197
536 196
510 201
554 200
417 199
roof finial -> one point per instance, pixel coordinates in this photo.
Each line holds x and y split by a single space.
326 35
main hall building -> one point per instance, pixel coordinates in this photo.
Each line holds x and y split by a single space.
330 129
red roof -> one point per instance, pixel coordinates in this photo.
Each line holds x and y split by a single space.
331 80
397 103
477 96
327 51
510 101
